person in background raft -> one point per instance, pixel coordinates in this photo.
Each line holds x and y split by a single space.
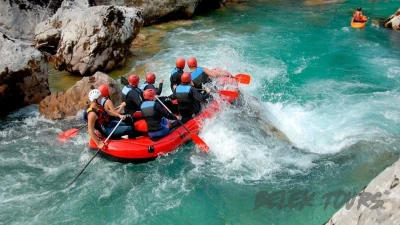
188 98
359 16
98 119
155 115
132 96
177 72
149 84
200 75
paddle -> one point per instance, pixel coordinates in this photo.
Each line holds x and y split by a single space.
105 142
196 139
229 93
243 78
70 133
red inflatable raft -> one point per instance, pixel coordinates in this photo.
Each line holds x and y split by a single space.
144 149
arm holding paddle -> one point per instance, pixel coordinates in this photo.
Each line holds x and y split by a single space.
110 109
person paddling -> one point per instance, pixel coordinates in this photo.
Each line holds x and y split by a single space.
132 96
200 75
359 16
155 115
98 119
149 84
177 72
188 98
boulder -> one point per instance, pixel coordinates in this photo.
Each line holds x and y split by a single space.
61 105
155 11
23 75
382 196
89 39
18 18
393 21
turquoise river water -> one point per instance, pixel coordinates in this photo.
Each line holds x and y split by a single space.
333 90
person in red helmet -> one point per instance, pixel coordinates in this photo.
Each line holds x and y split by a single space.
188 98
200 75
106 102
132 96
149 84
177 72
155 115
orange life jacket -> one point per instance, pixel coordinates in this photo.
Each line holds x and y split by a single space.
358 16
102 116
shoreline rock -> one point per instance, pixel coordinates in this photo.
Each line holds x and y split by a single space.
23 75
382 195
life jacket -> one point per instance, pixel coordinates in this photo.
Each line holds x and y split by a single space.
149 113
143 86
182 94
102 103
102 116
129 88
358 16
146 86
175 77
199 77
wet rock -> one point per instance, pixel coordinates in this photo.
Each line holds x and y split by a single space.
18 18
23 75
89 39
380 202
393 21
156 11
61 105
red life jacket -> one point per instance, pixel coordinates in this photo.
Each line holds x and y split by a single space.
358 16
102 116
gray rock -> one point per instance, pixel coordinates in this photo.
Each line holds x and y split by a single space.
89 39
394 21
383 210
23 75
18 19
155 11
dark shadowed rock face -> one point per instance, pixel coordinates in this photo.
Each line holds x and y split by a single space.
23 75
62 105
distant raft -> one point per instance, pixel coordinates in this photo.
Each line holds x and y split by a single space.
358 24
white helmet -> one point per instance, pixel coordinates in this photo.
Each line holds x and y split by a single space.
94 94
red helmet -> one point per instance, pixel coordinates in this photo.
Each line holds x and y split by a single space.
192 62
180 63
150 78
103 88
149 94
186 77
133 80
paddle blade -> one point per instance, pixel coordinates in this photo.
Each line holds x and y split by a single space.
230 93
199 143
68 134
243 78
